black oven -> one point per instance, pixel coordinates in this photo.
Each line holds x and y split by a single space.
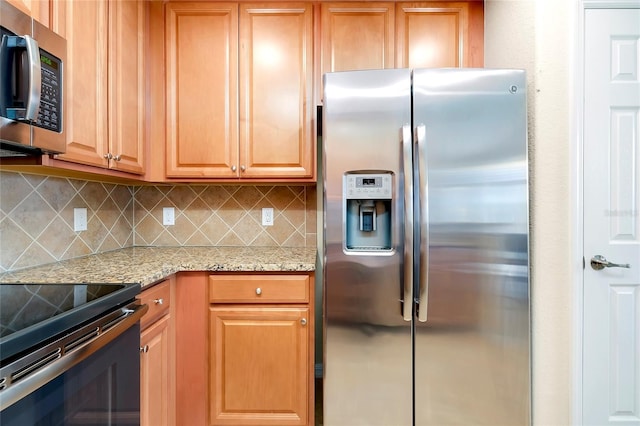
80 366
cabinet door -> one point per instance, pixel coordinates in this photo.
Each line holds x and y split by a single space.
84 25
37 9
201 42
434 34
154 374
357 36
126 85
276 81
260 371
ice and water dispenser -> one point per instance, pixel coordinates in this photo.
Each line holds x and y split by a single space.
367 204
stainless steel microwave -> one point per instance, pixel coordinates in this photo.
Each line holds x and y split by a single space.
32 59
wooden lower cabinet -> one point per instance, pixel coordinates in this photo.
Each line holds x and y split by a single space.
260 365
244 347
154 380
157 370
261 349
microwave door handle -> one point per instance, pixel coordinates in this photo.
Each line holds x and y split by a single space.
35 79
407 165
423 300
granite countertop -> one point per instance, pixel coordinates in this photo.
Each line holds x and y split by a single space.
146 265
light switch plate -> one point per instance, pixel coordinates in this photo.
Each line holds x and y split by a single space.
267 216
80 219
168 216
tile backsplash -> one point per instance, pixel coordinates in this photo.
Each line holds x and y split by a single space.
225 215
36 217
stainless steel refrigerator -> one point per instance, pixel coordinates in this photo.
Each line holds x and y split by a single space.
426 248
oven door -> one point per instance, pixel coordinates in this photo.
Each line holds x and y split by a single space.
104 389
99 385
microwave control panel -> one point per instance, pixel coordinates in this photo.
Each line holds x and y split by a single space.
50 113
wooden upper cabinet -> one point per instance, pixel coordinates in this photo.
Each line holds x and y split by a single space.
37 9
202 89
104 79
84 25
238 83
127 85
378 35
433 35
357 36
276 83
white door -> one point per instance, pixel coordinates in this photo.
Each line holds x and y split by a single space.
611 352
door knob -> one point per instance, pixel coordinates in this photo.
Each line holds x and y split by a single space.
599 262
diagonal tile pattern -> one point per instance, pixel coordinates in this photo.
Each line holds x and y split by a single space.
36 217
222 215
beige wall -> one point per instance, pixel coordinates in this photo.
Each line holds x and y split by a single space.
36 217
537 35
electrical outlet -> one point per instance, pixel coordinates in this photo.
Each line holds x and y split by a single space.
168 216
80 219
267 216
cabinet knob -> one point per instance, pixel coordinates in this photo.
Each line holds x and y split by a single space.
144 349
158 301
108 156
258 291
118 157
234 168
243 168
303 321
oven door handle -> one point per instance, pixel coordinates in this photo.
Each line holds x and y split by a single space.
27 374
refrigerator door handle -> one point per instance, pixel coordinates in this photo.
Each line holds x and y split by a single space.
407 164
423 300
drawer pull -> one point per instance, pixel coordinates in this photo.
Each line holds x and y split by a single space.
158 301
303 321
258 291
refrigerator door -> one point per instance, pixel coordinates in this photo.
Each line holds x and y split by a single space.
472 344
367 359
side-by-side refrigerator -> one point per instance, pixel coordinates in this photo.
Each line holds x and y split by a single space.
426 248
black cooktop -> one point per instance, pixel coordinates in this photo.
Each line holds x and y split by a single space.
31 314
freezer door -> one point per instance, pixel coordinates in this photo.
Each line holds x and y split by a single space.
472 341
367 345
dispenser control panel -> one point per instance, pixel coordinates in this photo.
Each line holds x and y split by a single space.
362 186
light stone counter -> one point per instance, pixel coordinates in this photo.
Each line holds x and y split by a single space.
146 265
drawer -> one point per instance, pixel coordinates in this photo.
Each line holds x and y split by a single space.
259 288
158 299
